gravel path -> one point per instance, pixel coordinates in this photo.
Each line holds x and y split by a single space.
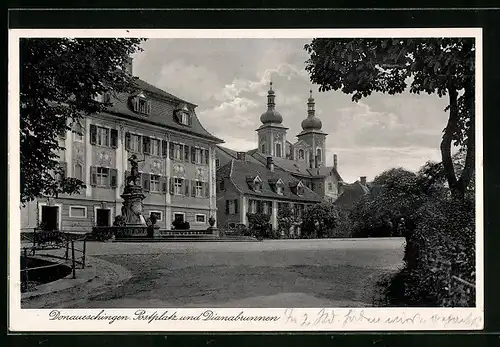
297 273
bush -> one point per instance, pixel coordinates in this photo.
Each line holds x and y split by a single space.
396 194
344 226
319 219
179 224
286 219
440 250
259 224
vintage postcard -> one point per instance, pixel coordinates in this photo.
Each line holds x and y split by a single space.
245 180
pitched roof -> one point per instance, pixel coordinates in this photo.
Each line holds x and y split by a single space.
325 171
351 194
234 155
162 110
296 167
242 169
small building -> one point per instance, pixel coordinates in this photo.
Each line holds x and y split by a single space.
245 186
177 171
352 193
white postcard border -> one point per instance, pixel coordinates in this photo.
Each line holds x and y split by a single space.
291 319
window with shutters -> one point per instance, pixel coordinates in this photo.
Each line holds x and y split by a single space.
155 147
178 151
199 154
135 143
178 186
103 136
102 177
146 144
199 189
155 186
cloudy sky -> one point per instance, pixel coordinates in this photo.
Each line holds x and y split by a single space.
229 79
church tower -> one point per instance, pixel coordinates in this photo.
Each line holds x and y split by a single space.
313 135
272 134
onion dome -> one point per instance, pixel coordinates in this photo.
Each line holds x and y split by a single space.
311 122
271 115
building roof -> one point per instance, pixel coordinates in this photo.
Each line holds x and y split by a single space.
296 167
162 110
233 154
243 169
351 194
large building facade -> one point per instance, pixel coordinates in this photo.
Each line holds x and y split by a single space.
177 168
305 159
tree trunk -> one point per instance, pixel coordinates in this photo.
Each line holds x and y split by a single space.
470 156
446 142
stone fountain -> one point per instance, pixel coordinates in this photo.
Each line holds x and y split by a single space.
132 222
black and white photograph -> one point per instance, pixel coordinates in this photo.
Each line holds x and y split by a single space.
296 177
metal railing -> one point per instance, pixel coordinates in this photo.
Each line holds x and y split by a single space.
54 240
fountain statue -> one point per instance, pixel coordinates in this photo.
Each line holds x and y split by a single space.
133 223
133 196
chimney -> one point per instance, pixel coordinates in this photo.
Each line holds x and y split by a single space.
240 156
363 180
270 164
335 161
127 65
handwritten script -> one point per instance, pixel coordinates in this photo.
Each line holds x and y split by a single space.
285 319
360 318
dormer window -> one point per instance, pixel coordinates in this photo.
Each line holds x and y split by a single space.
277 185
300 189
255 183
280 187
103 98
183 116
297 188
141 104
